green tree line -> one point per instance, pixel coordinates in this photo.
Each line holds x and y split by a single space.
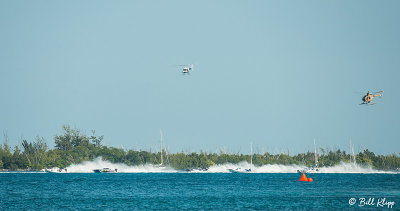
73 147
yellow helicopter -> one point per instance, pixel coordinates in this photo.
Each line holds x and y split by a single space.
367 99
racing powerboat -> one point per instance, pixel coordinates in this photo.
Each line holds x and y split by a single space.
310 170
239 170
55 170
105 170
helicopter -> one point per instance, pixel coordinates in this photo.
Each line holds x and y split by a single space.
186 68
367 99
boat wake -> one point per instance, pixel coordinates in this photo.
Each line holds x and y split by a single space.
342 168
351 168
99 163
270 168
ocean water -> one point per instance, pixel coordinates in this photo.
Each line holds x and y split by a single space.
197 191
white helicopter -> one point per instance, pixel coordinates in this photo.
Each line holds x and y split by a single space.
186 68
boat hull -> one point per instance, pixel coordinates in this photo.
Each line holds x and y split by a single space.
308 171
55 170
105 170
239 170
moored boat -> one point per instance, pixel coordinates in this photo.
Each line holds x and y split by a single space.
314 168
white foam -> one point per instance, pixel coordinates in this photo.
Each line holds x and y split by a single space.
269 168
351 168
98 163
342 168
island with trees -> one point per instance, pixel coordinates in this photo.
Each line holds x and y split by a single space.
73 147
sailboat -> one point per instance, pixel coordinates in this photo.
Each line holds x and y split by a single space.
314 168
161 165
353 157
240 170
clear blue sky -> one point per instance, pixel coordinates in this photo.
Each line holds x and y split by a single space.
277 73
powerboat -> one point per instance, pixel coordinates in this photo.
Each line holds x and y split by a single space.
310 170
239 170
105 170
197 170
55 170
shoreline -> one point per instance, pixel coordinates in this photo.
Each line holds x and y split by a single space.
7 170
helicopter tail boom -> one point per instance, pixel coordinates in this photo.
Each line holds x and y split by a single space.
379 95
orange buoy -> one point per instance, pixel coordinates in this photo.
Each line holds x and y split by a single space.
310 179
303 178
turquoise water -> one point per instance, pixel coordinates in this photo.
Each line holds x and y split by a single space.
211 191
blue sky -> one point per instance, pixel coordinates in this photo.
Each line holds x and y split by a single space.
275 73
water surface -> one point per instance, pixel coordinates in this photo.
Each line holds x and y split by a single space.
211 191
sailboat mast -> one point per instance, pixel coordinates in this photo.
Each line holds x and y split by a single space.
315 153
251 153
353 157
162 162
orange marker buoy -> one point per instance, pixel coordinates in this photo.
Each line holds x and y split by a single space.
310 179
303 178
